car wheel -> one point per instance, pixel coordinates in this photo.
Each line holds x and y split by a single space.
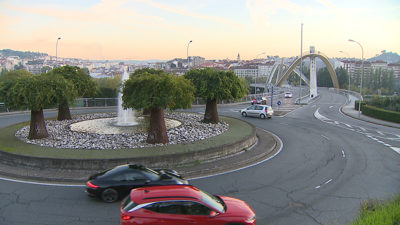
244 114
262 116
109 195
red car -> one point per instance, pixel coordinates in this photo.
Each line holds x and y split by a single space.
183 204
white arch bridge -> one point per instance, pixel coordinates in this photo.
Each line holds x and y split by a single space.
313 71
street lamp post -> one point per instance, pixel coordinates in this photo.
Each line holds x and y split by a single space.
348 71
188 54
57 50
255 88
362 74
301 61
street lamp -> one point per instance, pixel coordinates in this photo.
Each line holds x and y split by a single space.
56 50
255 88
348 71
362 74
188 54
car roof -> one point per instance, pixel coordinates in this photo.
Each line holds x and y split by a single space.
127 167
165 193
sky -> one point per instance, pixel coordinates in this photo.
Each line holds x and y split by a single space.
218 29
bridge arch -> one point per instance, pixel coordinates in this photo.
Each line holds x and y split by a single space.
293 66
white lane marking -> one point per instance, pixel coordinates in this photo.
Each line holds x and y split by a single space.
336 122
363 129
344 155
348 125
379 132
327 182
396 149
325 137
331 107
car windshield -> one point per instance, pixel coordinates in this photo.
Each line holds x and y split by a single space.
213 201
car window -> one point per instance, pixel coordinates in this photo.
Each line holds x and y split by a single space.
129 176
259 107
170 207
251 107
195 208
134 176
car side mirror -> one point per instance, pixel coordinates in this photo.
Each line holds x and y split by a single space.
213 214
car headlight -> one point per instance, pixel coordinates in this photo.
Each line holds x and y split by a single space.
252 218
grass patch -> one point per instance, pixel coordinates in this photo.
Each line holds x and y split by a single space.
383 212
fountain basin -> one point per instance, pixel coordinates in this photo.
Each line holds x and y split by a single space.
112 126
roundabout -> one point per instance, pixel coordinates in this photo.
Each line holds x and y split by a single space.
239 146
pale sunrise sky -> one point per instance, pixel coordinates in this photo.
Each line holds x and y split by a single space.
219 29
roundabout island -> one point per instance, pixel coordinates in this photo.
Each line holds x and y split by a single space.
233 144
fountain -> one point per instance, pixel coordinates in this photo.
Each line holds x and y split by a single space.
125 122
126 117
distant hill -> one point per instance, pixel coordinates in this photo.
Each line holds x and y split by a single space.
390 57
21 55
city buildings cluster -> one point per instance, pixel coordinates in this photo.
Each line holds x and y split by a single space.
262 67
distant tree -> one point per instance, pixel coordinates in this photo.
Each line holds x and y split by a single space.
342 76
37 93
84 85
19 66
7 81
121 63
212 85
157 90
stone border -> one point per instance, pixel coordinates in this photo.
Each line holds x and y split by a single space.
178 159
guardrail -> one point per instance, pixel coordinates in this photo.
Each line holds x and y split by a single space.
104 102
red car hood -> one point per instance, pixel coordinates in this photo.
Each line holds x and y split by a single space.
237 208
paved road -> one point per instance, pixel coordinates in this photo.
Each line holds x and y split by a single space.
322 174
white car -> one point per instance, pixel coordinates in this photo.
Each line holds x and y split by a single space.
262 111
288 95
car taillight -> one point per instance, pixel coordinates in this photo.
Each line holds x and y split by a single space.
89 184
126 217
266 110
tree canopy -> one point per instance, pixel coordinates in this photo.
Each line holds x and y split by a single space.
214 84
157 90
83 85
37 93
7 81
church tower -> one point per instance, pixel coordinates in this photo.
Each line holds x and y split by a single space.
238 58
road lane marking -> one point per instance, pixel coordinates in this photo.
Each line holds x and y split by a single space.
344 155
325 137
327 182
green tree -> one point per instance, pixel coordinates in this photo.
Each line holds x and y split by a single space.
342 76
212 85
19 66
84 85
7 81
36 93
156 90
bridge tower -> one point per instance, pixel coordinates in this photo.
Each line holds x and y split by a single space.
313 73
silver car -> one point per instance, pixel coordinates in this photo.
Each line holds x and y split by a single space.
261 111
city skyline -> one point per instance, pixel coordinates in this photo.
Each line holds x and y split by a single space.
151 29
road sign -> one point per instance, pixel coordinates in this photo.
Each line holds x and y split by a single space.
279 103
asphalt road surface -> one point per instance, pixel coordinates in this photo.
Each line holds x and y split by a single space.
329 164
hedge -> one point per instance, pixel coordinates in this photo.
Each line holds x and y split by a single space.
379 113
